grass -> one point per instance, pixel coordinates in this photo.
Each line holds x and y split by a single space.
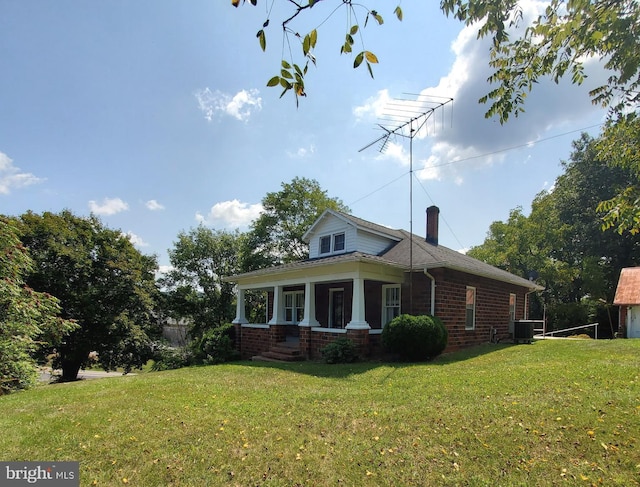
552 413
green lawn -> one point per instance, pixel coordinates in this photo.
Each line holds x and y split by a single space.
553 413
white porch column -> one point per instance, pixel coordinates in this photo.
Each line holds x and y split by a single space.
241 317
309 318
278 307
358 321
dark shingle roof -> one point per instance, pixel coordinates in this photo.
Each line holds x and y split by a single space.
424 256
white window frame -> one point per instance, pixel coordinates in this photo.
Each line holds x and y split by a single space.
386 306
324 238
332 243
470 307
512 307
294 303
344 242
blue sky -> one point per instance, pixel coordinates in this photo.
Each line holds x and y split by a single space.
155 116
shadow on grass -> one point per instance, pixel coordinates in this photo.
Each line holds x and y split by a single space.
319 368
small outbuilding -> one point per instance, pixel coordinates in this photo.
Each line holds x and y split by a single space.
628 298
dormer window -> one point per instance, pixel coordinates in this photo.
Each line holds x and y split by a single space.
332 243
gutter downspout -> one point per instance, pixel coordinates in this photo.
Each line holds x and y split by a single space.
433 291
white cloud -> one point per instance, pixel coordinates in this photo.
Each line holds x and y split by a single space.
232 214
12 178
463 133
395 152
373 106
136 240
109 206
302 152
153 205
241 106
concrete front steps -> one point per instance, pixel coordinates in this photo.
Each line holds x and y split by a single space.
282 352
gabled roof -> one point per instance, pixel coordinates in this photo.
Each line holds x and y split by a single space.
628 290
428 256
359 223
423 256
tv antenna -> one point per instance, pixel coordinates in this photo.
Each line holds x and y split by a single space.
407 117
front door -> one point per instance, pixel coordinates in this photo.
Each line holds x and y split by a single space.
336 308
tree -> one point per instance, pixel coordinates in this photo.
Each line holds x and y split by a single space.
620 147
102 282
561 240
196 289
276 235
27 318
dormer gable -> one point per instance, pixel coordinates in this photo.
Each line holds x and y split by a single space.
335 233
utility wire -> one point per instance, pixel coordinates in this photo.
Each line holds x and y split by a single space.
499 151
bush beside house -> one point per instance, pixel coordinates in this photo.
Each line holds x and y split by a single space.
415 338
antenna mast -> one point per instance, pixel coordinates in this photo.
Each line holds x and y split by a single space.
406 117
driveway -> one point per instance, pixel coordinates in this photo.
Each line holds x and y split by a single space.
46 374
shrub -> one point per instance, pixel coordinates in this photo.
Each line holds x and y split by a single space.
169 358
415 338
340 351
216 346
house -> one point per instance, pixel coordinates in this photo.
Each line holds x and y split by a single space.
628 298
360 275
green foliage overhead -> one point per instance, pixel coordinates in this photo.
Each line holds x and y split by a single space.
27 318
556 44
102 282
291 77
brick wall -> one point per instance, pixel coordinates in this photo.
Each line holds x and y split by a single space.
253 341
492 305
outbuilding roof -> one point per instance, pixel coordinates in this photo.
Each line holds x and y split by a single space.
628 290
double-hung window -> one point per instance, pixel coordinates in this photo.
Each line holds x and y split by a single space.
293 306
512 308
390 302
332 243
470 321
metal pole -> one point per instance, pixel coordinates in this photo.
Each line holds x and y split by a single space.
411 218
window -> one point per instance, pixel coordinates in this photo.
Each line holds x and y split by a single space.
332 243
470 322
390 303
325 244
293 306
512 308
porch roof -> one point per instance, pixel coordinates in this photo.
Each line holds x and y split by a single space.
330 263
